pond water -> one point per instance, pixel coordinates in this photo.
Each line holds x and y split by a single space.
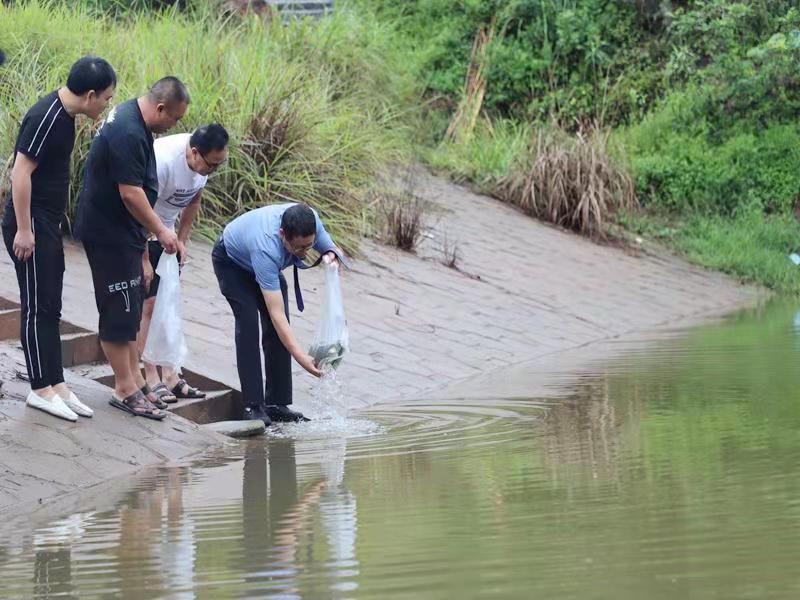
662 467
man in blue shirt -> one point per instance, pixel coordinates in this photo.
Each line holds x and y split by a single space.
248 259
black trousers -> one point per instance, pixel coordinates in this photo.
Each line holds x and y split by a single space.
41 281
239 286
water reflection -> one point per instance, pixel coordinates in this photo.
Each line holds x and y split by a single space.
189 531
51 573
279 513
669 471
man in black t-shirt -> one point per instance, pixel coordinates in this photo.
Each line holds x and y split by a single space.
32 225
120 187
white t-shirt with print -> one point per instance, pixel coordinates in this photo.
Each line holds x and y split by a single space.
177 183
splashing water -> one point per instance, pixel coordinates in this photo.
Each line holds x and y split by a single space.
328 410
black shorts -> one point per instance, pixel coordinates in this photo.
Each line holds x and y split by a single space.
118 278
155 250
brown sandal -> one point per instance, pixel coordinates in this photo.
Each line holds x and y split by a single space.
156 401
137 405
190 393
163 394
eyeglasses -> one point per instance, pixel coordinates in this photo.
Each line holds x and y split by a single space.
299 249
211 166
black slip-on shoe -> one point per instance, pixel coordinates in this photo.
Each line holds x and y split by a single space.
256 413
283 414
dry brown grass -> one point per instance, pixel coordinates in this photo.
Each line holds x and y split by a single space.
401 214
569 181
451 252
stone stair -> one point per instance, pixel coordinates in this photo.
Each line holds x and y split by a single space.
82 355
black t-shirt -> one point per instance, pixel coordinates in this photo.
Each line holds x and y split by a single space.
46 136
121 153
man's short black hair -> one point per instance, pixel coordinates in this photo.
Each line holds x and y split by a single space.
91 73
2 58
209 138
298 221
169 91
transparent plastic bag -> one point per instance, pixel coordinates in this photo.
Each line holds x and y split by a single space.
166 344
331 340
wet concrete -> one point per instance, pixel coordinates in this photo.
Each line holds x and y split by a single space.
43 456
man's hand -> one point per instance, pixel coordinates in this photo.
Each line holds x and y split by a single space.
330 258
182 251
24 244
168 239
305 361
148 271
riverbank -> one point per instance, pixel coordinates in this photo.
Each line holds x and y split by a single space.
522 290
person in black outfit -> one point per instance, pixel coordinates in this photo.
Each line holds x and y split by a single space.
32 225
115 211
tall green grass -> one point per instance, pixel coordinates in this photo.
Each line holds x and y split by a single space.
484 157
315 108
751 246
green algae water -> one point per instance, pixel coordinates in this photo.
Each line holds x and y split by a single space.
657 468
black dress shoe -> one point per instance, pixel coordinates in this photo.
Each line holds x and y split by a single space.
257 413
285 415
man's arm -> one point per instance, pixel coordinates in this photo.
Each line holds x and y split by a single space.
21 194
188 215
275 308
137 204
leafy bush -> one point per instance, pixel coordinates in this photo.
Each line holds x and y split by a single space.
680 164
561 59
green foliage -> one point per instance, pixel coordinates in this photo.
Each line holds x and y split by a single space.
566 59
681 172
751 246
313 107
486 158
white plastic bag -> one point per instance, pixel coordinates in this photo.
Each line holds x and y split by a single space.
166 344
331 340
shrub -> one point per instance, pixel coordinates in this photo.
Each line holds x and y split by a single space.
684 171
402 214
569 181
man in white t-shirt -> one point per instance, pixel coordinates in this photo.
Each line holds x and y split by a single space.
184 162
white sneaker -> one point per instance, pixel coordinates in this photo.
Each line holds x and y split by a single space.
55 407
76 406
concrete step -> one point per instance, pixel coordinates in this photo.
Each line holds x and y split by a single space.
237 429
5 304
10 319
67 328
80 348
220 405
9 324
201 382
99 371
